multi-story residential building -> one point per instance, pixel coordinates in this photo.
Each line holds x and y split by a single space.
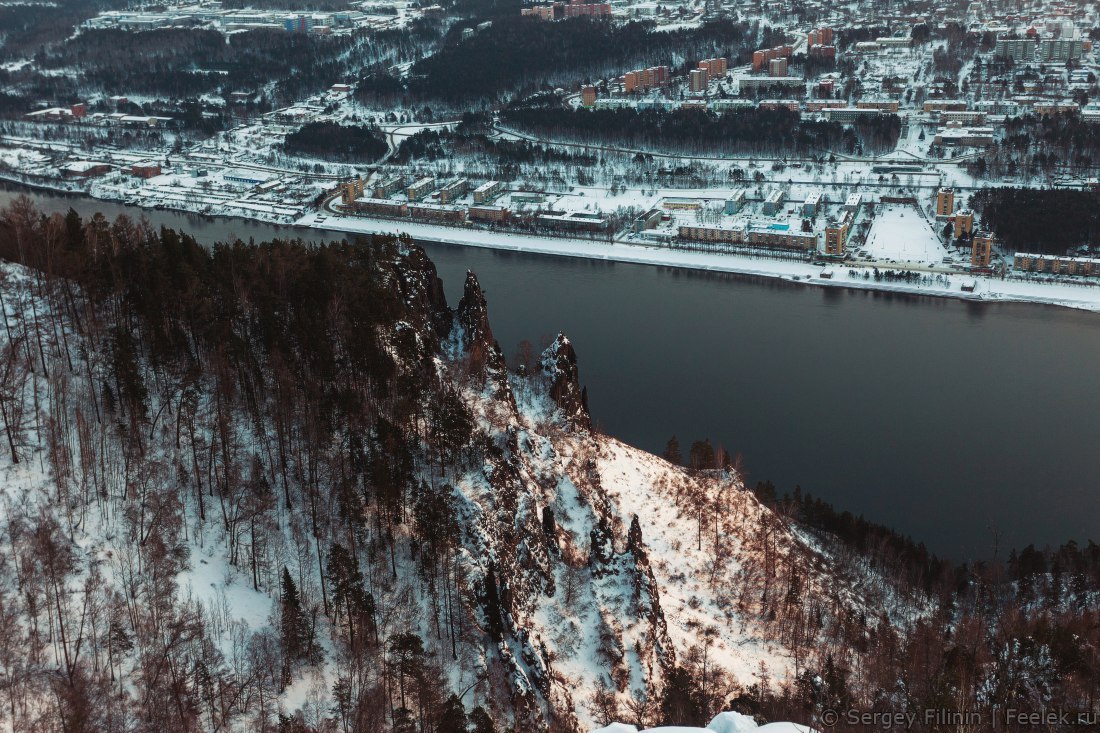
963 117
1056 264
884 105
944 105
488 191
849 114
712 233
777 67
774 202
819 37
945 202
588 96
812 204
894 41
748 83
698 80
387 186
964 222
487 212
438 212
762 57
715 68
1019 50
981 249
453 191
1054 108
836 234
1060 50
792 105
735 202
420 189
782 238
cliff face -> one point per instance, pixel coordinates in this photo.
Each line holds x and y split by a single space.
447 526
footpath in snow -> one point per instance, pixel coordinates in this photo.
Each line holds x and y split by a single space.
1084 296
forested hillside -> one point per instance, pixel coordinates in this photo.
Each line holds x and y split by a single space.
282 487
765 131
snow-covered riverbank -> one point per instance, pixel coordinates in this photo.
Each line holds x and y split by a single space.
1084 296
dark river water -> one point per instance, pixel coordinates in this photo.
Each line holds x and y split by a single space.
954 422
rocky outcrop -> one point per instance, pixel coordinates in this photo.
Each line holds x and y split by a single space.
422 290
475 333
559 364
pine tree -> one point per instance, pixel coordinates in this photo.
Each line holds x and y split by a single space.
452 718
494 619
481 721
672 452
295 630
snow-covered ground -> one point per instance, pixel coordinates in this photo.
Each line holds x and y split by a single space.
901 233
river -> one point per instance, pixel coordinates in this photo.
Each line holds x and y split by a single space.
966 425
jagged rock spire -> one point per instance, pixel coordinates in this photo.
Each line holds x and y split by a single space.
559 363
477 334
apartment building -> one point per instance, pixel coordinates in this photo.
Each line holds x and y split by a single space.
420 189
964 222
1057 264
1019 50
488 191
981 249
945 202
698 80
836 234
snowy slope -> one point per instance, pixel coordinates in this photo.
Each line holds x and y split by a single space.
614 567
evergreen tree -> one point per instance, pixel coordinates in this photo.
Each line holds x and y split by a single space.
452 718
294 628
494 618
481 722
672 452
